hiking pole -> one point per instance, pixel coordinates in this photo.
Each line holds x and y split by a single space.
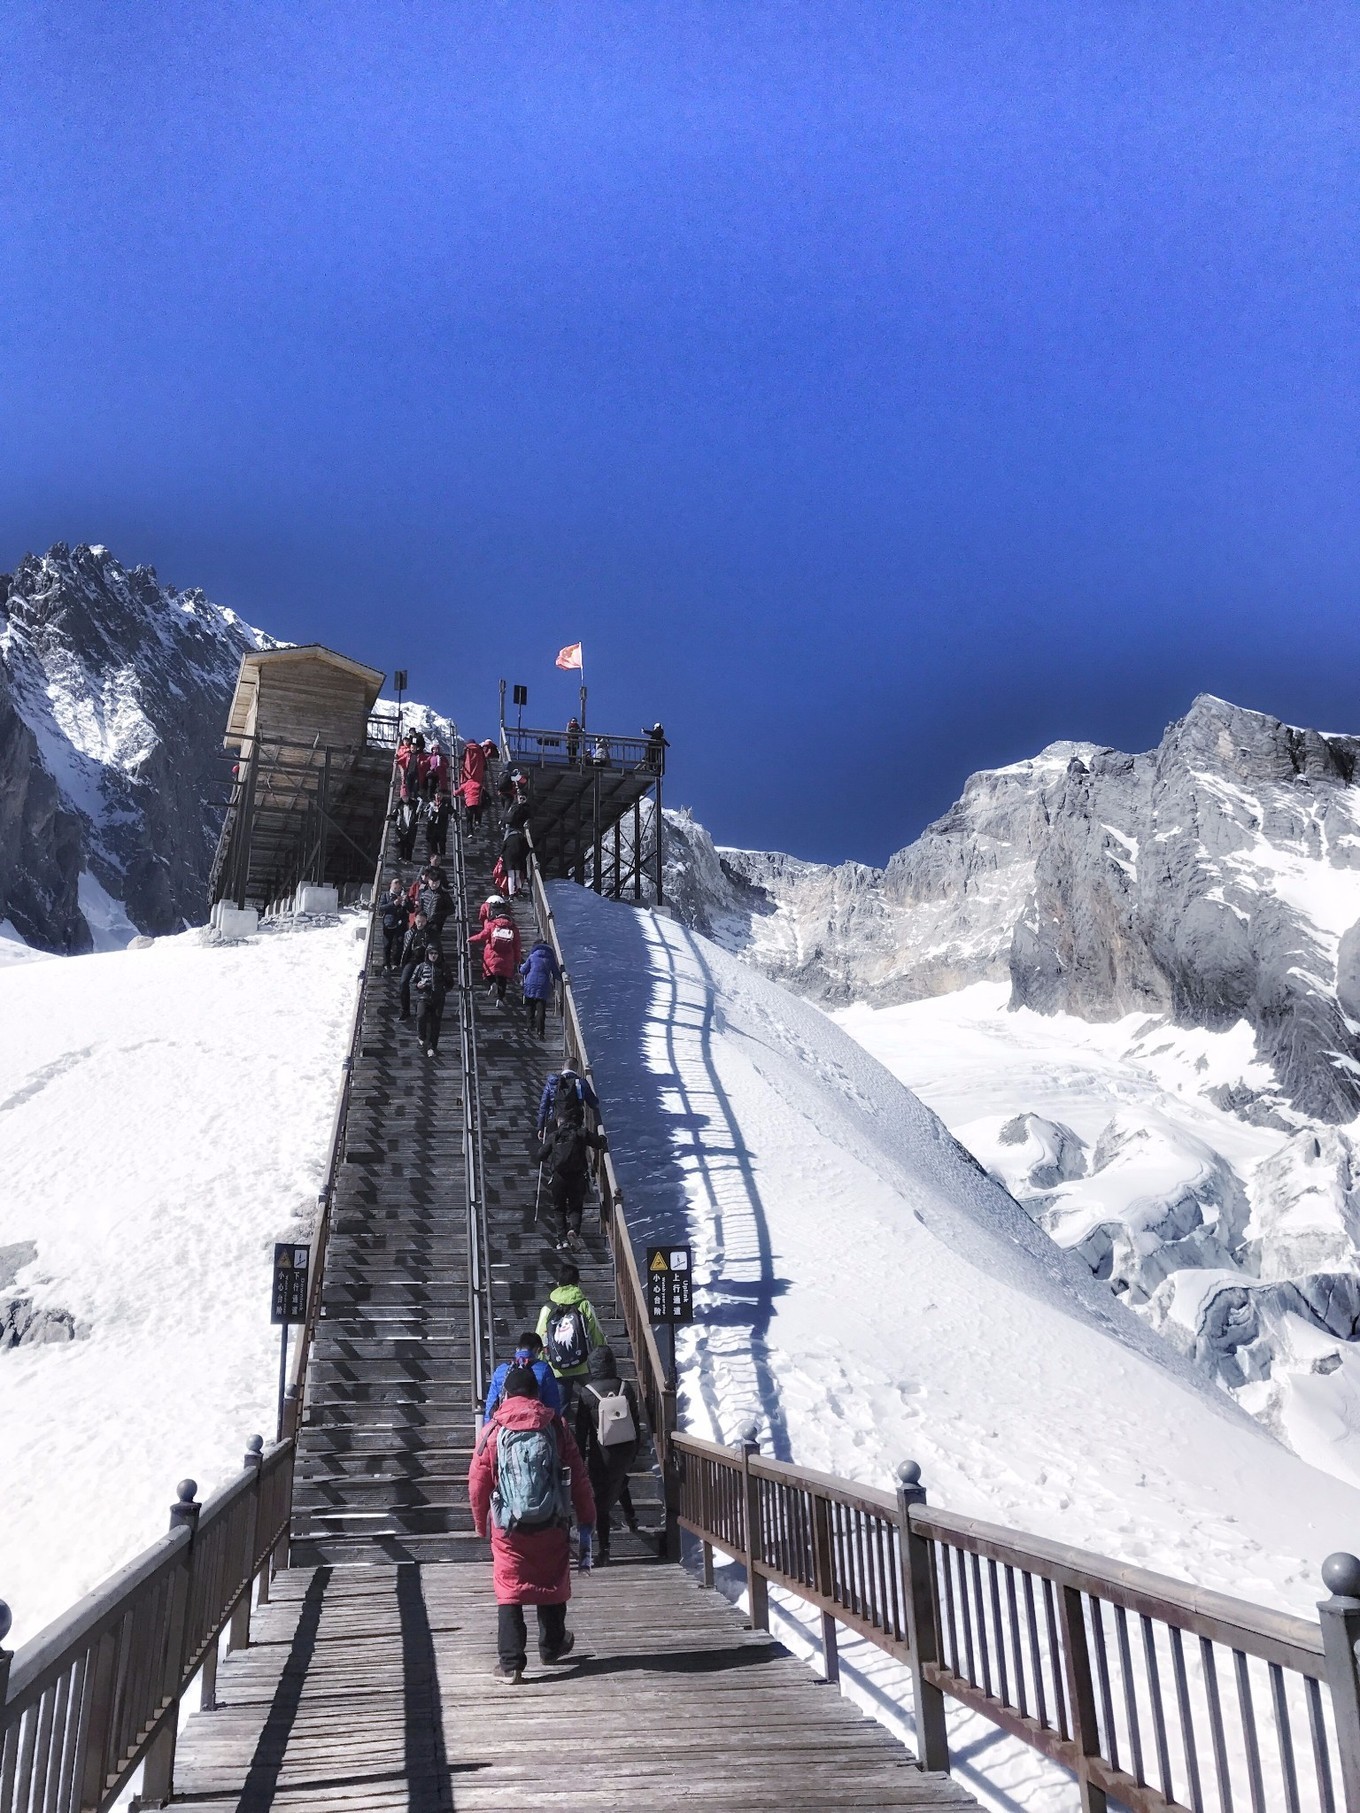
538 1191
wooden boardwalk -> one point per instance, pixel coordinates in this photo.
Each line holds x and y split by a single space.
370 1689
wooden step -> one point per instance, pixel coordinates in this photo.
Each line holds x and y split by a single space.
410 1520
388 1549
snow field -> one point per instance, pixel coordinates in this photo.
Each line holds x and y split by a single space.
1143 1084
164 1114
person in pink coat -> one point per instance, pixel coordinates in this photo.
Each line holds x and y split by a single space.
499 939
471 788
531 1564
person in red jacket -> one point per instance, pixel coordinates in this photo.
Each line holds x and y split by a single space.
499 939
531 1561
472 781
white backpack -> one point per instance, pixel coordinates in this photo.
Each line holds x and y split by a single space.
614 1418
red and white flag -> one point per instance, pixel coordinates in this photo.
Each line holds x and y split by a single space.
570 656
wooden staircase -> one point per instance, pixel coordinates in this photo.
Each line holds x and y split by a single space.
390 1416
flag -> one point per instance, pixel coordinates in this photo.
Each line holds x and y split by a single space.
570 656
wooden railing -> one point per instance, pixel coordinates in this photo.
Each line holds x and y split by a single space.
97 1694
1164 1697
583 749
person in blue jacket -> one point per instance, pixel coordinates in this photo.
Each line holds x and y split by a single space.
540 972
528 1352
566 1090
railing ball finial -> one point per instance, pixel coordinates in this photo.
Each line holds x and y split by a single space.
255 1451
1341 1575
910 1491
749 1433
184 1511
6 1620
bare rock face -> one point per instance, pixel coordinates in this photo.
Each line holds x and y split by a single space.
113 693
1213 879
22 1323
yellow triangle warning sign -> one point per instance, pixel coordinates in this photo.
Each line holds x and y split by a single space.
658 1263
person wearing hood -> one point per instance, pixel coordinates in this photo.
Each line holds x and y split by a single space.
608 1433
539 974
472 781
499 939
569 1329
520 1498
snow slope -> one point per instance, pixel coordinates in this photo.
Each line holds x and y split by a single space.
164 1115
1237 1239
871 1294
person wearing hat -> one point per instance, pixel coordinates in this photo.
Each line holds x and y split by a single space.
520 1498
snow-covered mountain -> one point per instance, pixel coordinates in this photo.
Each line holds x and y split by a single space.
113 693
1212 880
1129 985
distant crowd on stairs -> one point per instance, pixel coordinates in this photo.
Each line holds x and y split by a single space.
561 1428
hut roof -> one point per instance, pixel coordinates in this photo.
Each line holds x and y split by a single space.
254 660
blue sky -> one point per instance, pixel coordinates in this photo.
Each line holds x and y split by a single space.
878 391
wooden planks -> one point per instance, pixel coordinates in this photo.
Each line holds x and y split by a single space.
371 1689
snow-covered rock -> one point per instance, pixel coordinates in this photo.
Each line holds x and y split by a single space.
113 694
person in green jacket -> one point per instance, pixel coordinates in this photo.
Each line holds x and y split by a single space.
570 1330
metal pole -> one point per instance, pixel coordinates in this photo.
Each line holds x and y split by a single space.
583 708
283 1376
637 849
659 853
595 827
323 808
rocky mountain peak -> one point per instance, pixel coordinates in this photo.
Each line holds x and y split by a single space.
1213 879
113 691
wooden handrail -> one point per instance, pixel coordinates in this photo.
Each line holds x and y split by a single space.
96 1694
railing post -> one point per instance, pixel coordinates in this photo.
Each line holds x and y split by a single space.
6 1655
158 1771
1081 1694
1340 1620
825 1575
757 1587
670 1474
238 1633
923 1633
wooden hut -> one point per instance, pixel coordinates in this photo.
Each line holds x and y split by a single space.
310 777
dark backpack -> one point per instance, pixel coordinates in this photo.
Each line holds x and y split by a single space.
569 1100
394 915
565 1151
566 1342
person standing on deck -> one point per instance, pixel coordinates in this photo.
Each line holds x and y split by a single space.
520 1499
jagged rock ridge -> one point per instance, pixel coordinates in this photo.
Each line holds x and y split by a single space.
1213 879
113 692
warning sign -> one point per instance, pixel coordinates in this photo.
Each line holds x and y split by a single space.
670 1283
289 1300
